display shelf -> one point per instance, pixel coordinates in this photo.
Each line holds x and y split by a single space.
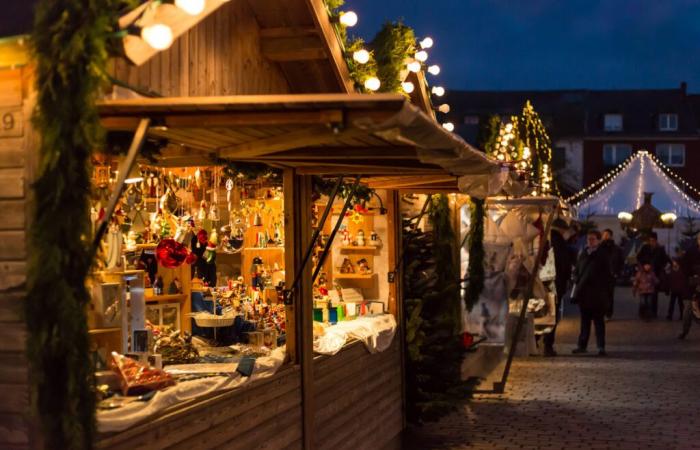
263 248
166 297
359 248
352 276
105 330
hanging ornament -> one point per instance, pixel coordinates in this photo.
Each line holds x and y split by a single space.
172 254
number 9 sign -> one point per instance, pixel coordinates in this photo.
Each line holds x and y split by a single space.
10 123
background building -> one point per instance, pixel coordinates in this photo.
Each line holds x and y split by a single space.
593 131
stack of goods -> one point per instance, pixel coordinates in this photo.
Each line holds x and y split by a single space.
137 378
173 347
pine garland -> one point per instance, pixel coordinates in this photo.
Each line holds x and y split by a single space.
476 254
393 45
70 50
433 325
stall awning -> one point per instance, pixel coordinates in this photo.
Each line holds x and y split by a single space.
372 135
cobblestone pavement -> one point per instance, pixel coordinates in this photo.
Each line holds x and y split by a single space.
644 395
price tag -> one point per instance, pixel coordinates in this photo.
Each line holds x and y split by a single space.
11 122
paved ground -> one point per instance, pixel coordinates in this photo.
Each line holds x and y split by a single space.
645 395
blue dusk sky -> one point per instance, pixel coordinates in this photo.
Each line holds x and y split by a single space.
550 44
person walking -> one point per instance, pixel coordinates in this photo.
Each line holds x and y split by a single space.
616 261
654 254
592 275
644 286
564 259
678 284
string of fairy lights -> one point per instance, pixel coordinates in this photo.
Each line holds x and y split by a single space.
660 168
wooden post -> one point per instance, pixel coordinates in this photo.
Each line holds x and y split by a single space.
290 258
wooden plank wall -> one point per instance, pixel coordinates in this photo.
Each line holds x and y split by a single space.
358 398
265 414
16 168
219 56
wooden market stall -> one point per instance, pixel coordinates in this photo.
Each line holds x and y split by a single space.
254 82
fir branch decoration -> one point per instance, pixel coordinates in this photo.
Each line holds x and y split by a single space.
476 254
433 317
393 45
360 72
70 50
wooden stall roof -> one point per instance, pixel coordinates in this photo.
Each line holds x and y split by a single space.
379 135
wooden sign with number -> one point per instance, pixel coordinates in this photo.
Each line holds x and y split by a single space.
11 122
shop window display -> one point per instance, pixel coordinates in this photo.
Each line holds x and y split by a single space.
188 287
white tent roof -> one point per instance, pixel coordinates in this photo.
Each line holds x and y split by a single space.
625 190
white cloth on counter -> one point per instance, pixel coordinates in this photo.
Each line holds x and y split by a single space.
375 331
110 421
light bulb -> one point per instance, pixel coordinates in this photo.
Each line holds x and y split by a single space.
438 90
421 56
158 36
361 56
444 108
449 126
434 69
414 66
426 43
407 87
191 7
349 18
509 127
372 83
501 157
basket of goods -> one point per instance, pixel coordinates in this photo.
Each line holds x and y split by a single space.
208 320
176 349
137 378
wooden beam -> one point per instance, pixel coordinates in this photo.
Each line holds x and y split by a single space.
346 153
287 32
302 138
330 39
404 182
293 48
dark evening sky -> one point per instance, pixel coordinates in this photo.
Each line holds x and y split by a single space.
550 44
532 44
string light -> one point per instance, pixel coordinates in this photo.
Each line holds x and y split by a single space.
372 83
444 108
414 66
158 35
449 126
438 90
191 7
421 56
361 56
348 18
407 87
434 69
427 42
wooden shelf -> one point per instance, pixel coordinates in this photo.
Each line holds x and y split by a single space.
352 276
257 249
166 297
359 248
104 330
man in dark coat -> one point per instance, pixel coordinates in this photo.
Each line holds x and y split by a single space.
654 254
592 275
616 261
564 259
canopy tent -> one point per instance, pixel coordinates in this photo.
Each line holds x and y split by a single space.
624 188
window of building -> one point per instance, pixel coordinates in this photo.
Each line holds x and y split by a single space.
614 154
471 120
559 158
671 154
668 122
613 122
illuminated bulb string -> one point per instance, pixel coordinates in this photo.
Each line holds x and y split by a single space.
640 187
596 184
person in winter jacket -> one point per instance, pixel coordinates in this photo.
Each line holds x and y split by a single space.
616 261
654 254
645 282
591 275
678 283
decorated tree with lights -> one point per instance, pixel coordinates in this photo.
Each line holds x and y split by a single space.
536 149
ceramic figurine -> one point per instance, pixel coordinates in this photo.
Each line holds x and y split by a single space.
374 239
346 237
347 266
364 267
360 238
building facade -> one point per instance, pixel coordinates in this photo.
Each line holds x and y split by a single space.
593 131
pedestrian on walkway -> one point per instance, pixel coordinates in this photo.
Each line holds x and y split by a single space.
654 254
678 284
691 312
616 262
644 286
564 259
592 275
